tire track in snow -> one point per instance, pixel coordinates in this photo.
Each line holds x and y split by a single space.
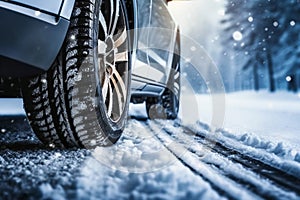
231 166
277 176
192 162
253 176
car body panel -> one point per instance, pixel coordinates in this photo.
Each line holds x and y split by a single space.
31 37
52 6
39 49
140 65
35 31
155 44
156 39
66 9
162 36
62 8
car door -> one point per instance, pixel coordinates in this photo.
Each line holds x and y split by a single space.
141 63
162 35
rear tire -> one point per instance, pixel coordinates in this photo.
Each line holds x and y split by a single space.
83 100
167 105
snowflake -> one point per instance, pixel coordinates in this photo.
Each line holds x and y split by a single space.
275 24
292 23
250 19
237 36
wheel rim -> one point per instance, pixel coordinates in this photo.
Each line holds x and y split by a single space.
113 58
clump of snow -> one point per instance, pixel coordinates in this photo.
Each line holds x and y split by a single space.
139 167
133 152
138 111
278 156
279 149
48 192
173 182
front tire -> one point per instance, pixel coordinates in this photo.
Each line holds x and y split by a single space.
83 99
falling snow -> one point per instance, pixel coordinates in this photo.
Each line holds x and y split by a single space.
237 35
275 24
292 23
250 19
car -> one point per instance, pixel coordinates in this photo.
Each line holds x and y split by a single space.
78 64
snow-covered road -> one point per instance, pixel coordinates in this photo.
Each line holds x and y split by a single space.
153 160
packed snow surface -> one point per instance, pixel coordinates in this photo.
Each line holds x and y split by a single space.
160 160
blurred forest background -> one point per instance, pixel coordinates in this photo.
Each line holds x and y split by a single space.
254 43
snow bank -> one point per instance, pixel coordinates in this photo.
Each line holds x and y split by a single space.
11 107
257 149
260 119
224 165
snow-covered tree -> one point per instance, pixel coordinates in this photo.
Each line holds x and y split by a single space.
288 56
266 33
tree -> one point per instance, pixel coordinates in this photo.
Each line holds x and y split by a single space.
288 58
258 28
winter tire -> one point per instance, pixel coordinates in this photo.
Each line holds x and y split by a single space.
82 101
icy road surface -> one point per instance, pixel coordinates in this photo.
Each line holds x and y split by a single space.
153 160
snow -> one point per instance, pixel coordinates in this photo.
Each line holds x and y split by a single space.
48 192
11 107
224 163
193 161
260 124
259 118
174 182
139 167
237 36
